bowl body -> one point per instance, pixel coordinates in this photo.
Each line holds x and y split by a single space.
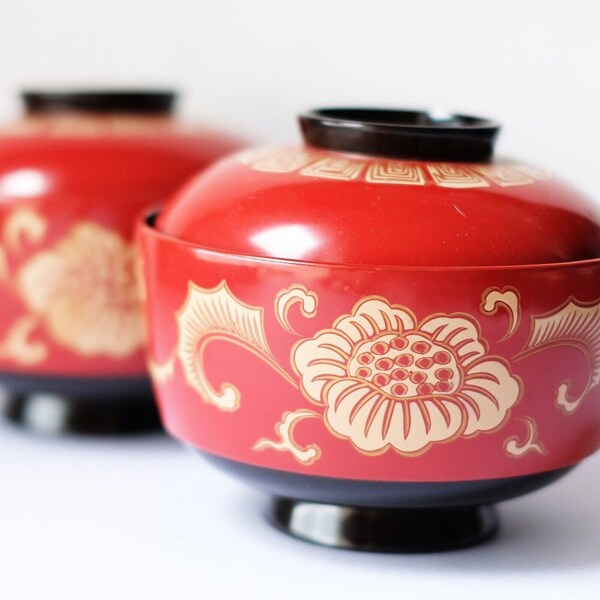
384 329
388 374
70 186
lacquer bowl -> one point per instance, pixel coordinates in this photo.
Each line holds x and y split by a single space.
387 347
74 172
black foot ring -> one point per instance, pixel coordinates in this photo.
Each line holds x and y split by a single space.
57 414
384 529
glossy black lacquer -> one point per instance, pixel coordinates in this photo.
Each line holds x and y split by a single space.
385 516
385 529
99 101
403 134
91 406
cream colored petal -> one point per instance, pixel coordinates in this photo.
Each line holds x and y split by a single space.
85 291
490 386
372 317
41 279
91 332
444 421
374 421
457 332
320 359
348 418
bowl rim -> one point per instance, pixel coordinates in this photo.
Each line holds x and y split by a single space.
145 226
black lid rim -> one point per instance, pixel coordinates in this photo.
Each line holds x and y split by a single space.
150 101
415 134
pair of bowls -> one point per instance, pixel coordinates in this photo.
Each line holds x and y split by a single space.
385 329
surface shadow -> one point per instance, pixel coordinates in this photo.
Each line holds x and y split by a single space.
157 439
554 529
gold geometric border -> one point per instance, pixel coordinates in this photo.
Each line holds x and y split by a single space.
315 164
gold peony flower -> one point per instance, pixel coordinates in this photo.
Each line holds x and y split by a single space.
85 291
386 381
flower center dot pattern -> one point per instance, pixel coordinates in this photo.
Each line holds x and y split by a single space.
406 366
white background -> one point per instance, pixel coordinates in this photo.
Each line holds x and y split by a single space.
144 519
138 518
252 65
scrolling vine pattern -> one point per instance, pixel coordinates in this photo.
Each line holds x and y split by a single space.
379 377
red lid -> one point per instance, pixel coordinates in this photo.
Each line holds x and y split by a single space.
102 141
386 188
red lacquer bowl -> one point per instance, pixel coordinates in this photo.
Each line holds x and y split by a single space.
385 329
74 172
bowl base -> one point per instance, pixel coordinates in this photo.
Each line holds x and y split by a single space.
385 494
80 406
401 530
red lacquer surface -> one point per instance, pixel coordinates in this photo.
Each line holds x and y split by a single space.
323 206
533 432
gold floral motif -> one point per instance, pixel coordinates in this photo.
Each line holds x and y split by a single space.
507 298
162 372
287 443
378 377
387 382
18 346
24 224
295 294
575 324
210 314
85 292
515 448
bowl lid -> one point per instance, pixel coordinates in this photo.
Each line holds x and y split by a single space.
383 187
104 141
